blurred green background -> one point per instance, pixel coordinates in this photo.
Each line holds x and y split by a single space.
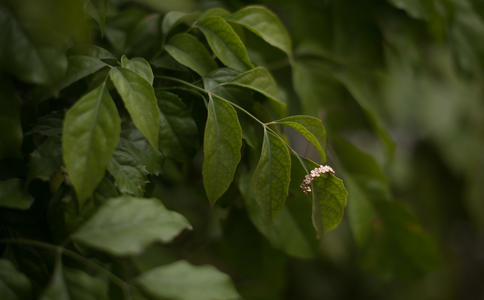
399 86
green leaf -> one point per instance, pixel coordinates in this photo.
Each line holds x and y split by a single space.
272 175
21 56
265 24
221 148
291 229
175 18
260 80
132 160
10 122
140 101
13 284
89 136
93 51
46 159
183 281
13 195
178 130
190 52
225 43
126 225
310 128
140 66
78 67
67 284
329 202
98 9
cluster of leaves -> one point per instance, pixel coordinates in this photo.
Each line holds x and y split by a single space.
92 146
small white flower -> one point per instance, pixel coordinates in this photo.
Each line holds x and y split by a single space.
316 172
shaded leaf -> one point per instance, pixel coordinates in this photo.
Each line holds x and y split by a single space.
271 177
98 9
21 56
140 101
183 281
221 148
10 122
78 67
132 160
13 195
138 65
126 225
46 159
13 284
174 18
67 284
265 24
93 51
89 136
225 43
190 52
310 128
178 130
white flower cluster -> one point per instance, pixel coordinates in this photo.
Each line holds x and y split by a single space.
306 184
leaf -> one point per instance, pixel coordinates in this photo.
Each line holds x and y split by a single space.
38 64
291 229
140 101
221 148
310 128
13 284
329 201
67 284
225 43
98 9
10 121
265 24
46 159
178 130
175 18
215 78
190 52
93 51
183 281
126 225
89 136
78 67
272 175
140 66
260 80
132 160
12 194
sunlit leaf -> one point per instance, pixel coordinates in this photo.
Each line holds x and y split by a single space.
221 148
183 281
126 225
272 175
140 101
89 136
225 43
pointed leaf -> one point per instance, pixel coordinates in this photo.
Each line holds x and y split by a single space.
132 160
221 148
260 80
190 52
272 175
183 281
140 66
12 194
310 128
225 43
140 101
89 136
13 284
174 18
178 130
126 225
78 67
265 24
